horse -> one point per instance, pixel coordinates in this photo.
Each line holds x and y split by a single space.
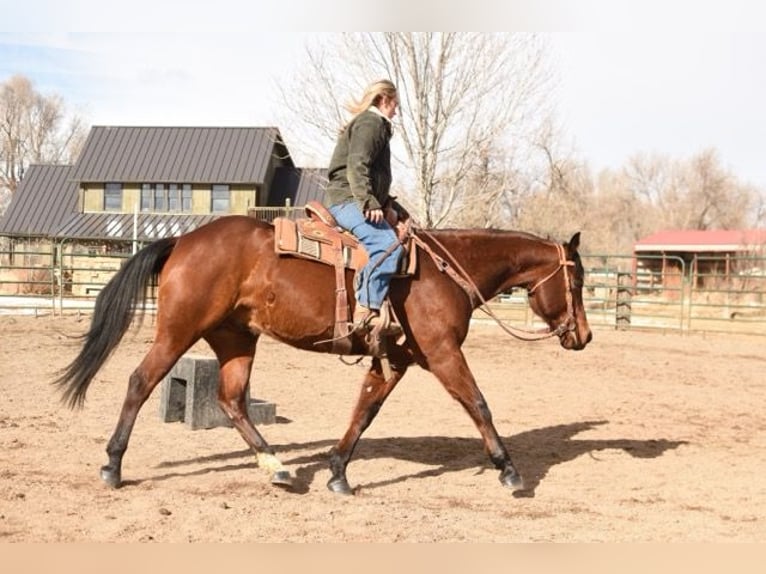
224 283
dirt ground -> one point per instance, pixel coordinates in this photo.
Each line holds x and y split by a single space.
641 437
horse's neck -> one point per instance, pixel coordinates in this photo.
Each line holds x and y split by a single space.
497 260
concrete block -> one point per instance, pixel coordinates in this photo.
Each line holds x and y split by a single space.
189 393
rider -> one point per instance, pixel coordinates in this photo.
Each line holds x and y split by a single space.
358 197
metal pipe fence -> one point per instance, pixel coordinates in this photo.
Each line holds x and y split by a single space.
618 293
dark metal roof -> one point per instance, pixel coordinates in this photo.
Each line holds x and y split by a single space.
125 226
300 185
179 154
44 200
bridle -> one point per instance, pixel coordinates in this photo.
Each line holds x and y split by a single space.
458 274
569 324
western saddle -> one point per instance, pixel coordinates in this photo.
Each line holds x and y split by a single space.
319 238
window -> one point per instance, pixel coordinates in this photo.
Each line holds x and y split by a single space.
113 197
174 198
163 198
221 199
146 197
186 198
160 198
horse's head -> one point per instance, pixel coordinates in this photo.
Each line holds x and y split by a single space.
556 296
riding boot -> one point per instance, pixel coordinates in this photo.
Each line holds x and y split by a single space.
380 322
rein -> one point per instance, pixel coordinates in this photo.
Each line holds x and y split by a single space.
453 269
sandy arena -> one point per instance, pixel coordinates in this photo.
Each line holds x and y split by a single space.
641 437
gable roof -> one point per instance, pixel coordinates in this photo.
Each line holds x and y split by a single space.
44 200
46 203
695 240
301 185
179 154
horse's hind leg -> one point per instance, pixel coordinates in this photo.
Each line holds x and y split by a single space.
454 374
235 350
155 365
375 390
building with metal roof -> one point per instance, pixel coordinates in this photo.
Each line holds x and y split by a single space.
143 183
197 155
44 201
703 241
669 255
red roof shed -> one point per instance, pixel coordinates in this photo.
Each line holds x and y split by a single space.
697 254
703 241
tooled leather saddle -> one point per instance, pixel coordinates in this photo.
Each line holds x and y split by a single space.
319 238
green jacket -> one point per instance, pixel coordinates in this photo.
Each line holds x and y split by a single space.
360 168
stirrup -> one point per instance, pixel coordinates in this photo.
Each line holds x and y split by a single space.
377 323
363 319
388 325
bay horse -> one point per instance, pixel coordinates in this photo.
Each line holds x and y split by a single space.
224 283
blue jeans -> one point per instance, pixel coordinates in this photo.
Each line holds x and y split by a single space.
377 238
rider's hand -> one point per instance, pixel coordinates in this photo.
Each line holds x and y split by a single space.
374 215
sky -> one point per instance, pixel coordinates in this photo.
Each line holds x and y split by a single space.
672 78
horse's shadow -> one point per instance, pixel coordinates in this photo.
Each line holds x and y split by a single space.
534 452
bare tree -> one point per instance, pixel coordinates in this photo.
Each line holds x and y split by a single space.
465 97
558 191
34 128
715 198
691 194
648 177
655 192
561 204
759 210
618 215
491 188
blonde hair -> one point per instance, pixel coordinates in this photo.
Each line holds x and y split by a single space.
372 96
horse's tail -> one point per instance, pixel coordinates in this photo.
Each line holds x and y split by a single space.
116 305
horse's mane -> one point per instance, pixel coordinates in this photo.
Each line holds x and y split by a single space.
487 231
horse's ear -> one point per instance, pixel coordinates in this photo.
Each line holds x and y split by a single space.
574 243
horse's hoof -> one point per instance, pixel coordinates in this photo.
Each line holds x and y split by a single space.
339 486
111 477
282 478
512 479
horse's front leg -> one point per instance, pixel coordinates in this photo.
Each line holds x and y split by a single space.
375 389
454 374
